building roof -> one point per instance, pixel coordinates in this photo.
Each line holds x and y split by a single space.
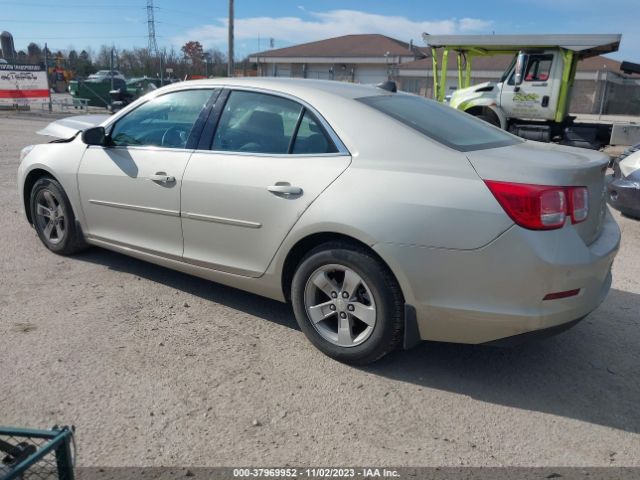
364 45
501 62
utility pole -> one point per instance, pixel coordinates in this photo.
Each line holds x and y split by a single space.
230 66
46 72
111 67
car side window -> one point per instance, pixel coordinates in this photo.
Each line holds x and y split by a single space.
256 123
311 138
165 121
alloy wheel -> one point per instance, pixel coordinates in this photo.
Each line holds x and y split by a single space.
340 305
50 217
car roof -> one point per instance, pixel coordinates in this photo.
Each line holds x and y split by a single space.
293 86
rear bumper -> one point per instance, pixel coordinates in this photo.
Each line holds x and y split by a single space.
624 194
533 335
495 292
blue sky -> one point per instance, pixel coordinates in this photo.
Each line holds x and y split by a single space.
91 23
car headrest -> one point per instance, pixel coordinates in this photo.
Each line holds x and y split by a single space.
266 123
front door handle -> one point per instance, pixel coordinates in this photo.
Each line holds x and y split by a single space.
162 177
284 189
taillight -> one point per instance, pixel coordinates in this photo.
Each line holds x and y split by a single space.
579 204
541 207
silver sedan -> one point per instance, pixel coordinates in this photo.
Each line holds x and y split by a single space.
382 217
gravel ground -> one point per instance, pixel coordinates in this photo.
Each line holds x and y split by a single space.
156 368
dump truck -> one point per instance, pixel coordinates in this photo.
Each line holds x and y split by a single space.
532 97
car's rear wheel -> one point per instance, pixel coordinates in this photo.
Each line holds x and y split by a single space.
348 303
53 218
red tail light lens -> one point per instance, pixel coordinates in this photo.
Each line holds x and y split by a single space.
552 208
541 207
579 204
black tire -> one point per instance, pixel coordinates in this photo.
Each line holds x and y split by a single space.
630 214
387 332
70 241
488 119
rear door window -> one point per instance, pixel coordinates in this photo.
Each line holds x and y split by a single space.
268 124
311 138
257 123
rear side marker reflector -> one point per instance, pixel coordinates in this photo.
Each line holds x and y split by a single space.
559 295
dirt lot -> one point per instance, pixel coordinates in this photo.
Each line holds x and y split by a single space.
157 368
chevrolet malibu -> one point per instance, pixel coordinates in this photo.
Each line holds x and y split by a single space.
382 217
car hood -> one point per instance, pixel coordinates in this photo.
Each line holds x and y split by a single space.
68 127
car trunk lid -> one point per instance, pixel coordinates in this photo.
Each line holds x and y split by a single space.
550 164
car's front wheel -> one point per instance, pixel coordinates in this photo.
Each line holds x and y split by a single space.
348 303
53 217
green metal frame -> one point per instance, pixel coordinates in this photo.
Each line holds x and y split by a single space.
59 439
569 58
570 61
464 76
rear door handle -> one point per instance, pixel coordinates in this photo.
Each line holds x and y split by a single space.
284 189
162 177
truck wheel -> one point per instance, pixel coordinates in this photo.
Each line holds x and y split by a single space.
489 120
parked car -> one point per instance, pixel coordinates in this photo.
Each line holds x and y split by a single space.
623 187
101 75
384 218
135 88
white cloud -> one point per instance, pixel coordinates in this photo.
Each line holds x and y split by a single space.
473 25
328 24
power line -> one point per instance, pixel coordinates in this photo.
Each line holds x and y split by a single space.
180 12
66 22
63 5
75 37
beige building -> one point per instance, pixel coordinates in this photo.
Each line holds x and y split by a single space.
599 87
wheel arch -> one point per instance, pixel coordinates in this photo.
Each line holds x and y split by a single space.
304 245
489 111
32 177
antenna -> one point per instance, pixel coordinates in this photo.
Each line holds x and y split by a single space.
151 22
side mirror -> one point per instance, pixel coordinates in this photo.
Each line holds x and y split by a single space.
521 63
95 136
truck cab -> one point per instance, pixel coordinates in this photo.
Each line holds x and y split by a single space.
534 97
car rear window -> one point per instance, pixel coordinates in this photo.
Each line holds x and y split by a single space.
442 123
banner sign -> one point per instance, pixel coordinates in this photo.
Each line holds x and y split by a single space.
22 84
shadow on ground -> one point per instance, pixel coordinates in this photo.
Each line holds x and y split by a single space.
266 308
589 373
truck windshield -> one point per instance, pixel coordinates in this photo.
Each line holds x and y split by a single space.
506 73
442 123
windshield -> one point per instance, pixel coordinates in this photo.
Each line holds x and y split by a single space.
442 123
506 73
